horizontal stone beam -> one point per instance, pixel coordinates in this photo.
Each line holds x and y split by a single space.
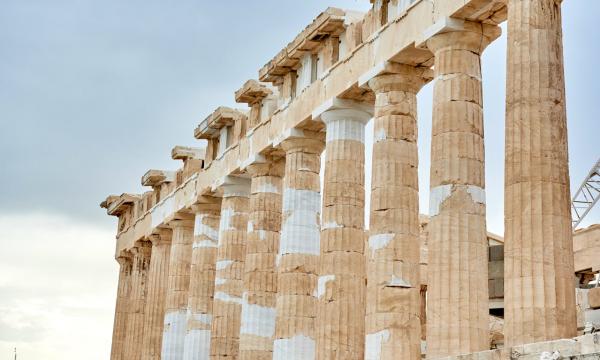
394 42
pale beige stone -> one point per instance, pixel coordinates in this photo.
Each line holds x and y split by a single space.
121 308
341 284
202 279
393 302
539 296
457 290
299 248
177 288
158 276
231 253
260 271
137 301
320 286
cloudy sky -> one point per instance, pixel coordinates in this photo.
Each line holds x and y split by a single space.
93 93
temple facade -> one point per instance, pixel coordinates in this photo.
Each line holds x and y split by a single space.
256 247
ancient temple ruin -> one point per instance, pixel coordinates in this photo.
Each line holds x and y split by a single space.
243 254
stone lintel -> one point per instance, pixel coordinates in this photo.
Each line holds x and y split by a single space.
120 205
155 177
449 24
389 67
187 153
331 22
252 92
221 117
342 104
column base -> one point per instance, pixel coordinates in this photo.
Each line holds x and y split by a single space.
581 347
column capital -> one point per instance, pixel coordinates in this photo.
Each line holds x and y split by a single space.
388 76
450 33
161 237
181 223
143 248
123 259
207 208
271 167
233 186
303 140
343 109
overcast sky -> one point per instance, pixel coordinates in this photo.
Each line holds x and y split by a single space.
94 93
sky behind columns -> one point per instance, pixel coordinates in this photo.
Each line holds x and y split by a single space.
94 93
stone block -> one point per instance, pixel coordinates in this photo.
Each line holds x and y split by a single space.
496 269
496 253
594 298
589 344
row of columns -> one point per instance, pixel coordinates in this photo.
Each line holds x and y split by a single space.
259 276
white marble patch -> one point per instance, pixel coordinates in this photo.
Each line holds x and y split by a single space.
374 343
223 264
257 320
219 295
175 328
299 347
321 285
379 241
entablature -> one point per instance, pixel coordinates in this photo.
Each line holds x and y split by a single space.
222 117
156 178
261 98
223 128
394 42
120 204
188 153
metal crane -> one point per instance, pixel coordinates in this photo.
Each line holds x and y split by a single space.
586 197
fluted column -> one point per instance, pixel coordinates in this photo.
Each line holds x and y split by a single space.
202 282
137 301
158 277
121 308
227 303
457 291
393 325
341 283
298 255
260 276
175 324
539 299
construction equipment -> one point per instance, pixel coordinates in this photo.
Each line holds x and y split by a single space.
586 197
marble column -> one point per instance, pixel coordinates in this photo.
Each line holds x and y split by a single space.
260 272
202 282
539 299
393 306
341 283
158 276
137 300
457 292
175 323
298 255
121 308
227 303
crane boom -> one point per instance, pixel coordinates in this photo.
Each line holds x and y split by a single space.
586 197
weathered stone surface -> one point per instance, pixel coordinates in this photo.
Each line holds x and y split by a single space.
457 290
158 276
539 296
280 283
